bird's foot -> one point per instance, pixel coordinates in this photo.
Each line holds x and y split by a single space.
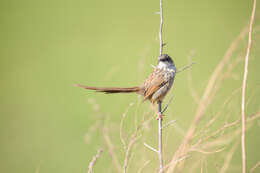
160 116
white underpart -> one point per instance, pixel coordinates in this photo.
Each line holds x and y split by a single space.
166 66
162 65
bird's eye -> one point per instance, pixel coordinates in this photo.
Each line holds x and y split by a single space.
165 59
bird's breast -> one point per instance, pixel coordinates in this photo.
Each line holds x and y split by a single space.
169 74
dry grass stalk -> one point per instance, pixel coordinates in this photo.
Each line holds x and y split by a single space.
255 166
223 139
161 28
243 116
133 137
206 152
145 164
176 161
111 151
214 118
193 92
185 67
229 156
168 124
206 100
151 148
121 125
94 160
160 154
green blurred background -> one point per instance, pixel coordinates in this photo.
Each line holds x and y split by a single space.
47 46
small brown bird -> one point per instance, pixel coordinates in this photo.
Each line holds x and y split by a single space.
154 88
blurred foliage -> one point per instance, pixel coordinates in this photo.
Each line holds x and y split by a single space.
47 46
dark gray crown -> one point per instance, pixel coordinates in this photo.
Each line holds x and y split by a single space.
165 58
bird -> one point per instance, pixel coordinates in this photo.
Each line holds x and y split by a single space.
154 88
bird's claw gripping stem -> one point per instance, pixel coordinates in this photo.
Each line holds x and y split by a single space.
160 116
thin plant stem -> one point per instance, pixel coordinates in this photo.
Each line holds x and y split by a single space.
93 161
184 68
160 154
161 28
243 116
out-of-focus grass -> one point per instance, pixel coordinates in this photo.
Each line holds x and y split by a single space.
47 46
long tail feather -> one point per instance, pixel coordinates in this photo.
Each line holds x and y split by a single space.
110 90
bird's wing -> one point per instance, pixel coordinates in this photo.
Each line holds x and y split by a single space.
153 83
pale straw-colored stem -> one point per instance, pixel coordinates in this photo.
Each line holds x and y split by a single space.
243 116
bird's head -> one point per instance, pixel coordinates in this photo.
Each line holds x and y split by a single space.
165 61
